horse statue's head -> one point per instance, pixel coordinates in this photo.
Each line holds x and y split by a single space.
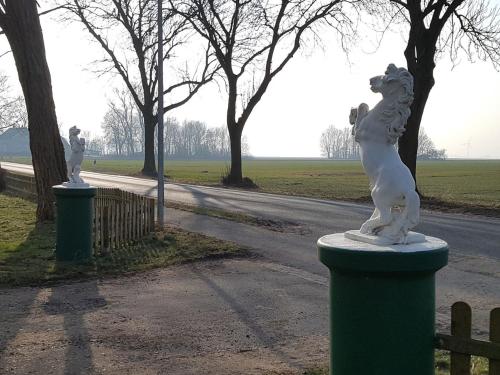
73 131
396 87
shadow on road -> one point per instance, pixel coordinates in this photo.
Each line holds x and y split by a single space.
15 308
245 316
74 302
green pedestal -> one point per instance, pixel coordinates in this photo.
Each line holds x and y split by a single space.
74 223
382 305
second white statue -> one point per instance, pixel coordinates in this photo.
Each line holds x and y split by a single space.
397 204
74 164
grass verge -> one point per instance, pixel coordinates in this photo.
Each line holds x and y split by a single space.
479 366
282 226
27 251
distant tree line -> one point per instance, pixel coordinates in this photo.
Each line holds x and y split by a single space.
426 148
123 135
195 140
339 144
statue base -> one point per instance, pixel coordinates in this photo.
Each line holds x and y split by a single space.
411 238
74 224
75 185
382 305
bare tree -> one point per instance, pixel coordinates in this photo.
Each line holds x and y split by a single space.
253 41
12 108
435 27
127 118
427 149
195 140
327 141
122 125
95 145
20 22
127 32
338 144
172 136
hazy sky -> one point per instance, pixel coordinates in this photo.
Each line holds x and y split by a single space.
314 91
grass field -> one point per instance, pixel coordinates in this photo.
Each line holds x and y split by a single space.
472 183
27 251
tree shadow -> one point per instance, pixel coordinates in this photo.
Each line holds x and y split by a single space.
17 302
73 302
32 263
265 338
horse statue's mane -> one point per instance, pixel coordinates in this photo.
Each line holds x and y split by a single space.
395 117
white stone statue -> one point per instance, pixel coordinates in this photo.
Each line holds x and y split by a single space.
397 205
75 161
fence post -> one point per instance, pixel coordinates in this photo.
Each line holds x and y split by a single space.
461 327
494 365
95 226
113 224
105 240
152 215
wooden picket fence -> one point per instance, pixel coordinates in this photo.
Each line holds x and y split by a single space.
461 346
120 218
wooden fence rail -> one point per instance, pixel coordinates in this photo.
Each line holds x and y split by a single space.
20 184
461 346
120 217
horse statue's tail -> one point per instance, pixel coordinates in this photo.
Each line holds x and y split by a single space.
412 209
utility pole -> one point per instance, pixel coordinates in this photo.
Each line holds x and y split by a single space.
161 182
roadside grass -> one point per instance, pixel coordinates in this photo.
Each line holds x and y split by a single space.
479 366
281 226
27 251
449 184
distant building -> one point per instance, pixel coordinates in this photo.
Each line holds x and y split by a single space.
16 142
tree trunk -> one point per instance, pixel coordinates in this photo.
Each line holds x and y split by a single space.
24 33
236 173
423 79
235 130
149 168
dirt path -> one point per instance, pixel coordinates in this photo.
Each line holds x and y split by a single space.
240 316
218 317
262 315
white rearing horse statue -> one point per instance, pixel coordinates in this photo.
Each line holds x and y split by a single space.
377 131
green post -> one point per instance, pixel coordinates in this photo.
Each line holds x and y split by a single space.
74 223
382 305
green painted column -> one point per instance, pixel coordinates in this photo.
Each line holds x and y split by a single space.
74 223
382 305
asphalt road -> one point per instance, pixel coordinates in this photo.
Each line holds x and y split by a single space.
466 234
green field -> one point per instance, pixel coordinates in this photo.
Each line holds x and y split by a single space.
451 182
468 182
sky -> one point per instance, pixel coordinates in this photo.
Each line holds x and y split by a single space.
315 90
